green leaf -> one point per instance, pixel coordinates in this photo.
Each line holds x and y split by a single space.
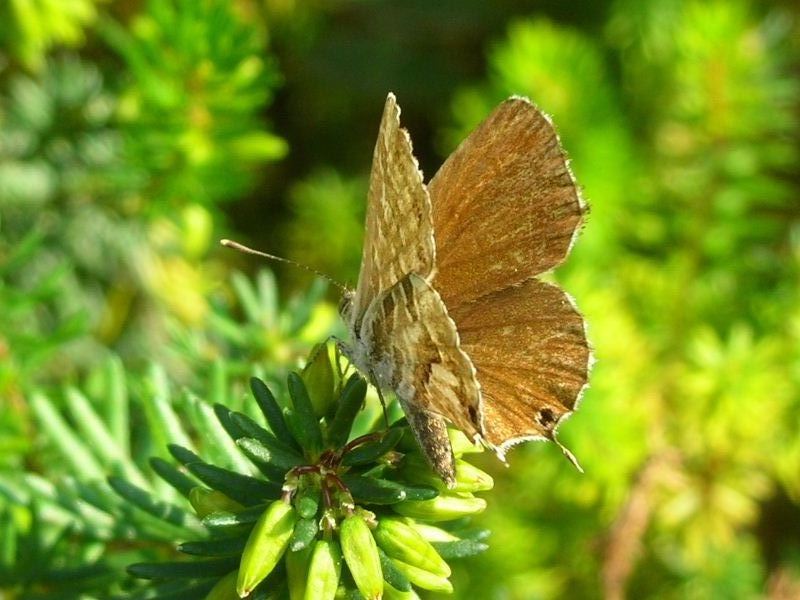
185 570
98 436
372 451
73 450
145 501
306 420
172 476
242 488
216 547
273 456
350 402
272 412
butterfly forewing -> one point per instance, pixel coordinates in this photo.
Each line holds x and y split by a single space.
398 237
505 205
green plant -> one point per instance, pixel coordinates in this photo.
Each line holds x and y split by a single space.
32 27
324 459
122 185
197 77
249 324
34 329
59 174
32 552
325 512
113 420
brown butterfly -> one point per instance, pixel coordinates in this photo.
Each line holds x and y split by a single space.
447 312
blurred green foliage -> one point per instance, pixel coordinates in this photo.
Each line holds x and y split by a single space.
33 27
132 134
197 73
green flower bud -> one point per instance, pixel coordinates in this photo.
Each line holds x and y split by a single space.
324 571
297 572
424 579
402 542
390 593
320 381
307 499
265 546
305 530
431 533
225 589
461 444
361 555
470 478
445 507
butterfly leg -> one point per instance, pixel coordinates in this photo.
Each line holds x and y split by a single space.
346 351
374 382
341 351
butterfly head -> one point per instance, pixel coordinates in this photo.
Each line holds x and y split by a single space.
346 305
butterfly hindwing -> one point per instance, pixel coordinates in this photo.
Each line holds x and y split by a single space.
528 345
416 352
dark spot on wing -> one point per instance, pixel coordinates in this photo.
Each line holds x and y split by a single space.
546 418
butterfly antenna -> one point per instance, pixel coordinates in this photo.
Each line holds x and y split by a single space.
247 250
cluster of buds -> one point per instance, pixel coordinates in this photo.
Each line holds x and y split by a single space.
339 513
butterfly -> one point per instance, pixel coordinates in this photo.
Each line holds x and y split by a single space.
448 312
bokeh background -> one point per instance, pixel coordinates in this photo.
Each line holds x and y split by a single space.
134 134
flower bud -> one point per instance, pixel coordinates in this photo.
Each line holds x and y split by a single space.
361 555
320 381
225 589
324 571
265 546
424 579
402 542
445 507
